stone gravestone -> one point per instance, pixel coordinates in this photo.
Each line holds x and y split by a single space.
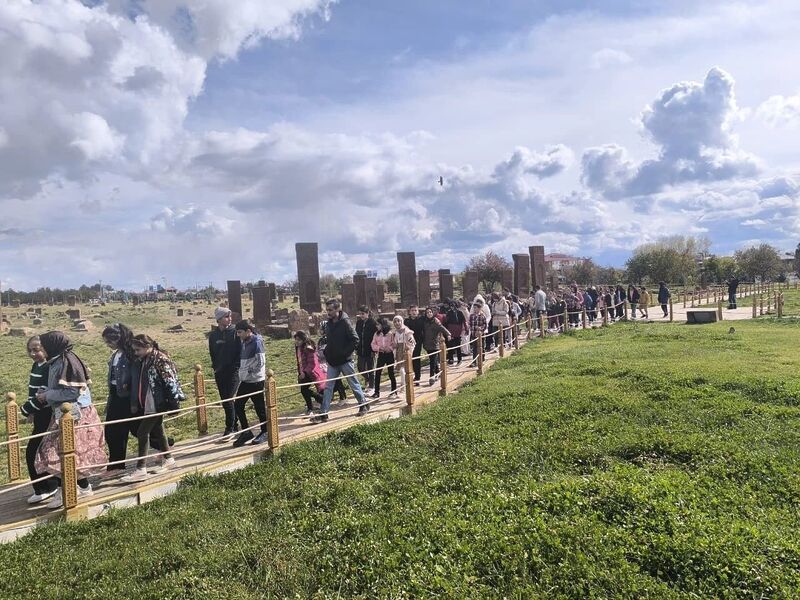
38 311
554 283
371 289
71 300
298 320
135 300
235 298
538 268
281 296
360 281
262 310
445 284
508 279
470 285
381 292
273 293
407 268
37 321
15 304
179 312
424 279
522 275
74 313
349 299
308 275
387 307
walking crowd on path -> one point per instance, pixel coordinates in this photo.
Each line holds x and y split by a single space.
143 382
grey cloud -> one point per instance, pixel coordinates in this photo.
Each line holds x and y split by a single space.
690 123
780 186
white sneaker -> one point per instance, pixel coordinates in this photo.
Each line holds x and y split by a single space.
393 394
85 492
164 466
36 498
137 475
57 500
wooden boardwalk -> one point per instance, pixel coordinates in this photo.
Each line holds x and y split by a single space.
194 456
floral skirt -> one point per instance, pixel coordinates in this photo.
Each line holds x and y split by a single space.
90 446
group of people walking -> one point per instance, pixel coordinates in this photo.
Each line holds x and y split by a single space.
143 381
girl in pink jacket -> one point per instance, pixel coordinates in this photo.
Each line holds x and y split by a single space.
383 343
309 371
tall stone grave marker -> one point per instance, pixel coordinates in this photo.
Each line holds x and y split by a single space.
308 275
538 270
522 275
262 307
469 285
508 279
424 278
445 284
235 298
360 281
371 293
407 267
349 299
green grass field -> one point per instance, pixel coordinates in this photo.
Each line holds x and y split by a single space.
638 461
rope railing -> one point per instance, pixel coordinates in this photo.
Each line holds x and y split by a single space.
503 335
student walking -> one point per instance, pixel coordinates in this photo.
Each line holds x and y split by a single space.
402 340
644 302
252 373
224 348
383 344
156 390
633 299
663 297
457 325
68 381
342 340
477 324
309 372
40 415
366 326
415 322
431 330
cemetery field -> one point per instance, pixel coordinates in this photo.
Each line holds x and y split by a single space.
635 461
187 348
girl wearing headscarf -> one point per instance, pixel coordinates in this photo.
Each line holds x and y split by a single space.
118 338
68 380
383 343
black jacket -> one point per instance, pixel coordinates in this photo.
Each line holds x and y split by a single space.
416 324
225 349
733 285
663 294
366 331
341 340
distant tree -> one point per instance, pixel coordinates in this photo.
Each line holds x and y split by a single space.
719 269
490 267
327 285
584 273
762 261
291 286
610 275
797 260
393 283
672 259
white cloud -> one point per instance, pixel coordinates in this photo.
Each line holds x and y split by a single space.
609 57
690 124
780 111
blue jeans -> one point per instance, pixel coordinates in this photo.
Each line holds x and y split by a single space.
348 370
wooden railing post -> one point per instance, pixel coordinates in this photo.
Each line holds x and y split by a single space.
516 336
583 319
625 308
69 467
769 302
530 326
755 305
12 430
501 346
566 319
200 400
443 366
719 310
693 294
272 411
684 299
479 358
761 305
670 310
605 316
408 366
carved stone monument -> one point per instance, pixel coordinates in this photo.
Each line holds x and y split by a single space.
298 320
424 278
235 298
445 284
538 269
522 275
508 279
308 275
349 299
469 285
371 289
262 307
71 300
407 268
360 281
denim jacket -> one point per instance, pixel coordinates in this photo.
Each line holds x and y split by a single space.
121 373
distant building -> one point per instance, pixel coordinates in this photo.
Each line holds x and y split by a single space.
557 262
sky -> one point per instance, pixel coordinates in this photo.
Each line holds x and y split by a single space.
192 141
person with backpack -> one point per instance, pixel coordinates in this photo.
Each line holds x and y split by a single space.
156 390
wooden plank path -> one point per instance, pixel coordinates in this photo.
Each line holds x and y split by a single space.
196 457
18 518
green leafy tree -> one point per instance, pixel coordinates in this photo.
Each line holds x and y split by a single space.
671 259
762 261
584 273
490 267
393 283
